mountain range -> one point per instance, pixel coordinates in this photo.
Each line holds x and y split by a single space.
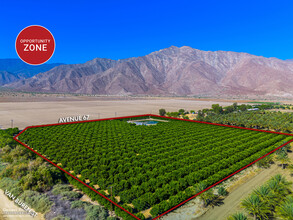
12 70
174 71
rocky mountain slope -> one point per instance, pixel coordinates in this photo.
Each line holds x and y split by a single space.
7 77
12 70
176 71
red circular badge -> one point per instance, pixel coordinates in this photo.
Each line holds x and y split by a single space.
35 45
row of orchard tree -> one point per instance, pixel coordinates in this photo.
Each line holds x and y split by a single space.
249 116
277 121
150 166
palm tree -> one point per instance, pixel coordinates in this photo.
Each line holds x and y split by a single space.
281 180
282 150
285 210
283 158
279 186
287 147
200 187
237 216
265 162
222 191
266 195
208 197
254 206
290 166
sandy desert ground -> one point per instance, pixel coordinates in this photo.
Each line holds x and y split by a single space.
26 113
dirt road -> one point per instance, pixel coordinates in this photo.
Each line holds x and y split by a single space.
232 202
9 211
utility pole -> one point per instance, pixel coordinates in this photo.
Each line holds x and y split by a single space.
111 197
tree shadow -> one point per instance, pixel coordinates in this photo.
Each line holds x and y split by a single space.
283 166
217 202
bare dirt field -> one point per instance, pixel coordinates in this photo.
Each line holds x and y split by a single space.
33 111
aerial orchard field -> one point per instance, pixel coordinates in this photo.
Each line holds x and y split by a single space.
149 167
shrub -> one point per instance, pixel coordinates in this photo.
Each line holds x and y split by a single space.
238 216
10 185
61 217
61 188
162 112
265 162
155 210
78 204
140 216
95 213
42 179
71 195
39 202
222 191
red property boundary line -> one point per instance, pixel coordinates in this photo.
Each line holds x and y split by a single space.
152 115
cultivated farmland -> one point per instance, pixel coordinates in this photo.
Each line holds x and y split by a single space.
149 167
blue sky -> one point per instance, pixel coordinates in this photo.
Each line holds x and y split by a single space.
122 29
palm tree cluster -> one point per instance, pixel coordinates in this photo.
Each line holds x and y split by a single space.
282 155
269 201
277 121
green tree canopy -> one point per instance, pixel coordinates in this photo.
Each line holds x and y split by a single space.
162 112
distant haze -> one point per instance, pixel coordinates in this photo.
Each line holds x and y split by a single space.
12 70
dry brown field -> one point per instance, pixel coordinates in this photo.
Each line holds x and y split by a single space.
46 109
